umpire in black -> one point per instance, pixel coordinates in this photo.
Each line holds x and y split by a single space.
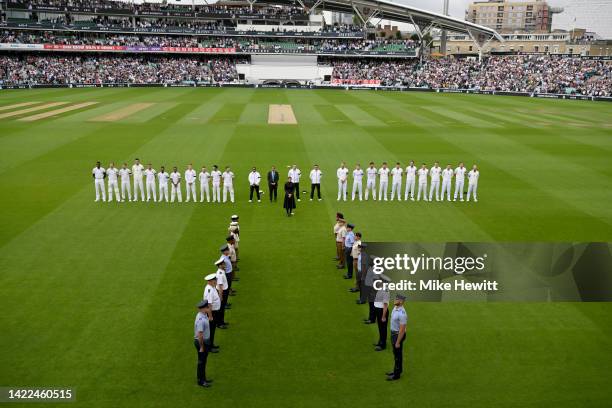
273 178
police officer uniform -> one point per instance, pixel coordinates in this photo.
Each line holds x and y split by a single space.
213 298
398 319
202 328
224 288
349 240
381 311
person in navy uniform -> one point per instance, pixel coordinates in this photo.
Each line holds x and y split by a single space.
289 202
201 341
398 335
273 178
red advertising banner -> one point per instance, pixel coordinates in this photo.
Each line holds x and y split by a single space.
338 81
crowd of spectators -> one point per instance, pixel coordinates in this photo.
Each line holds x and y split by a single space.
516 73
95 69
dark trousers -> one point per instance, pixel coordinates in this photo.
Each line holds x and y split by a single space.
297 190
382 326
273 191
397 355
213 325
230 278
255 189
372 312
349 262
202 357
314 187
223 304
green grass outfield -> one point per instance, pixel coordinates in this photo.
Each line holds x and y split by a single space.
101 297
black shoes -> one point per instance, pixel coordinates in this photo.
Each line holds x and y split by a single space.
379 348
392 378
222 326
360 302
368 322
205 384
353 290
348 277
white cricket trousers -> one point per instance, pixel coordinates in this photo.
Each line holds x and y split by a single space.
371 185
176 191
113 186
138 186
472 189
151 191
191 192
99 186
204 189
126 191
228 188
357 187
342 190
446 188
410 184
163 192
459 189
422 189
216 192
383 189
435 187
396 187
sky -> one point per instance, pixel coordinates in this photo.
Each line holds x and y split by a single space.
594 15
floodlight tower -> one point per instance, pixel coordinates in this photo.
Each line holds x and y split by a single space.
443 36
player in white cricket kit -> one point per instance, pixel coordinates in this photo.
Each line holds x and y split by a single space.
162 180
138 173
126 189
396 182
459 180
357 182
228 184
215 175
371 172
150 179
113 182
447 177
204 176
342 174
422 173
175 181
190 179
295 174
383 172
410 180
99 174
473 183
435 173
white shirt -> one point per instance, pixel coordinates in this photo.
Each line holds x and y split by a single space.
98 172
422 176
473 177
315 176
221 279
411 172
190 176
460 173
384 174
150 173
137 170
372 171
342 173
397 174
357 175
447 175
228 177
163 176
254 178
216 176
175 176
112 174
434 173
295 175
204 176
211 294
125 175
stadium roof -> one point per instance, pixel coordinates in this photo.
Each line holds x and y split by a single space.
388 10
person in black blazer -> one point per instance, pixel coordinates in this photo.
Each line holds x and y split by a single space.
273 178
289 202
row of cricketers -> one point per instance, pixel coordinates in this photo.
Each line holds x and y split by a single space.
414 177
142 177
